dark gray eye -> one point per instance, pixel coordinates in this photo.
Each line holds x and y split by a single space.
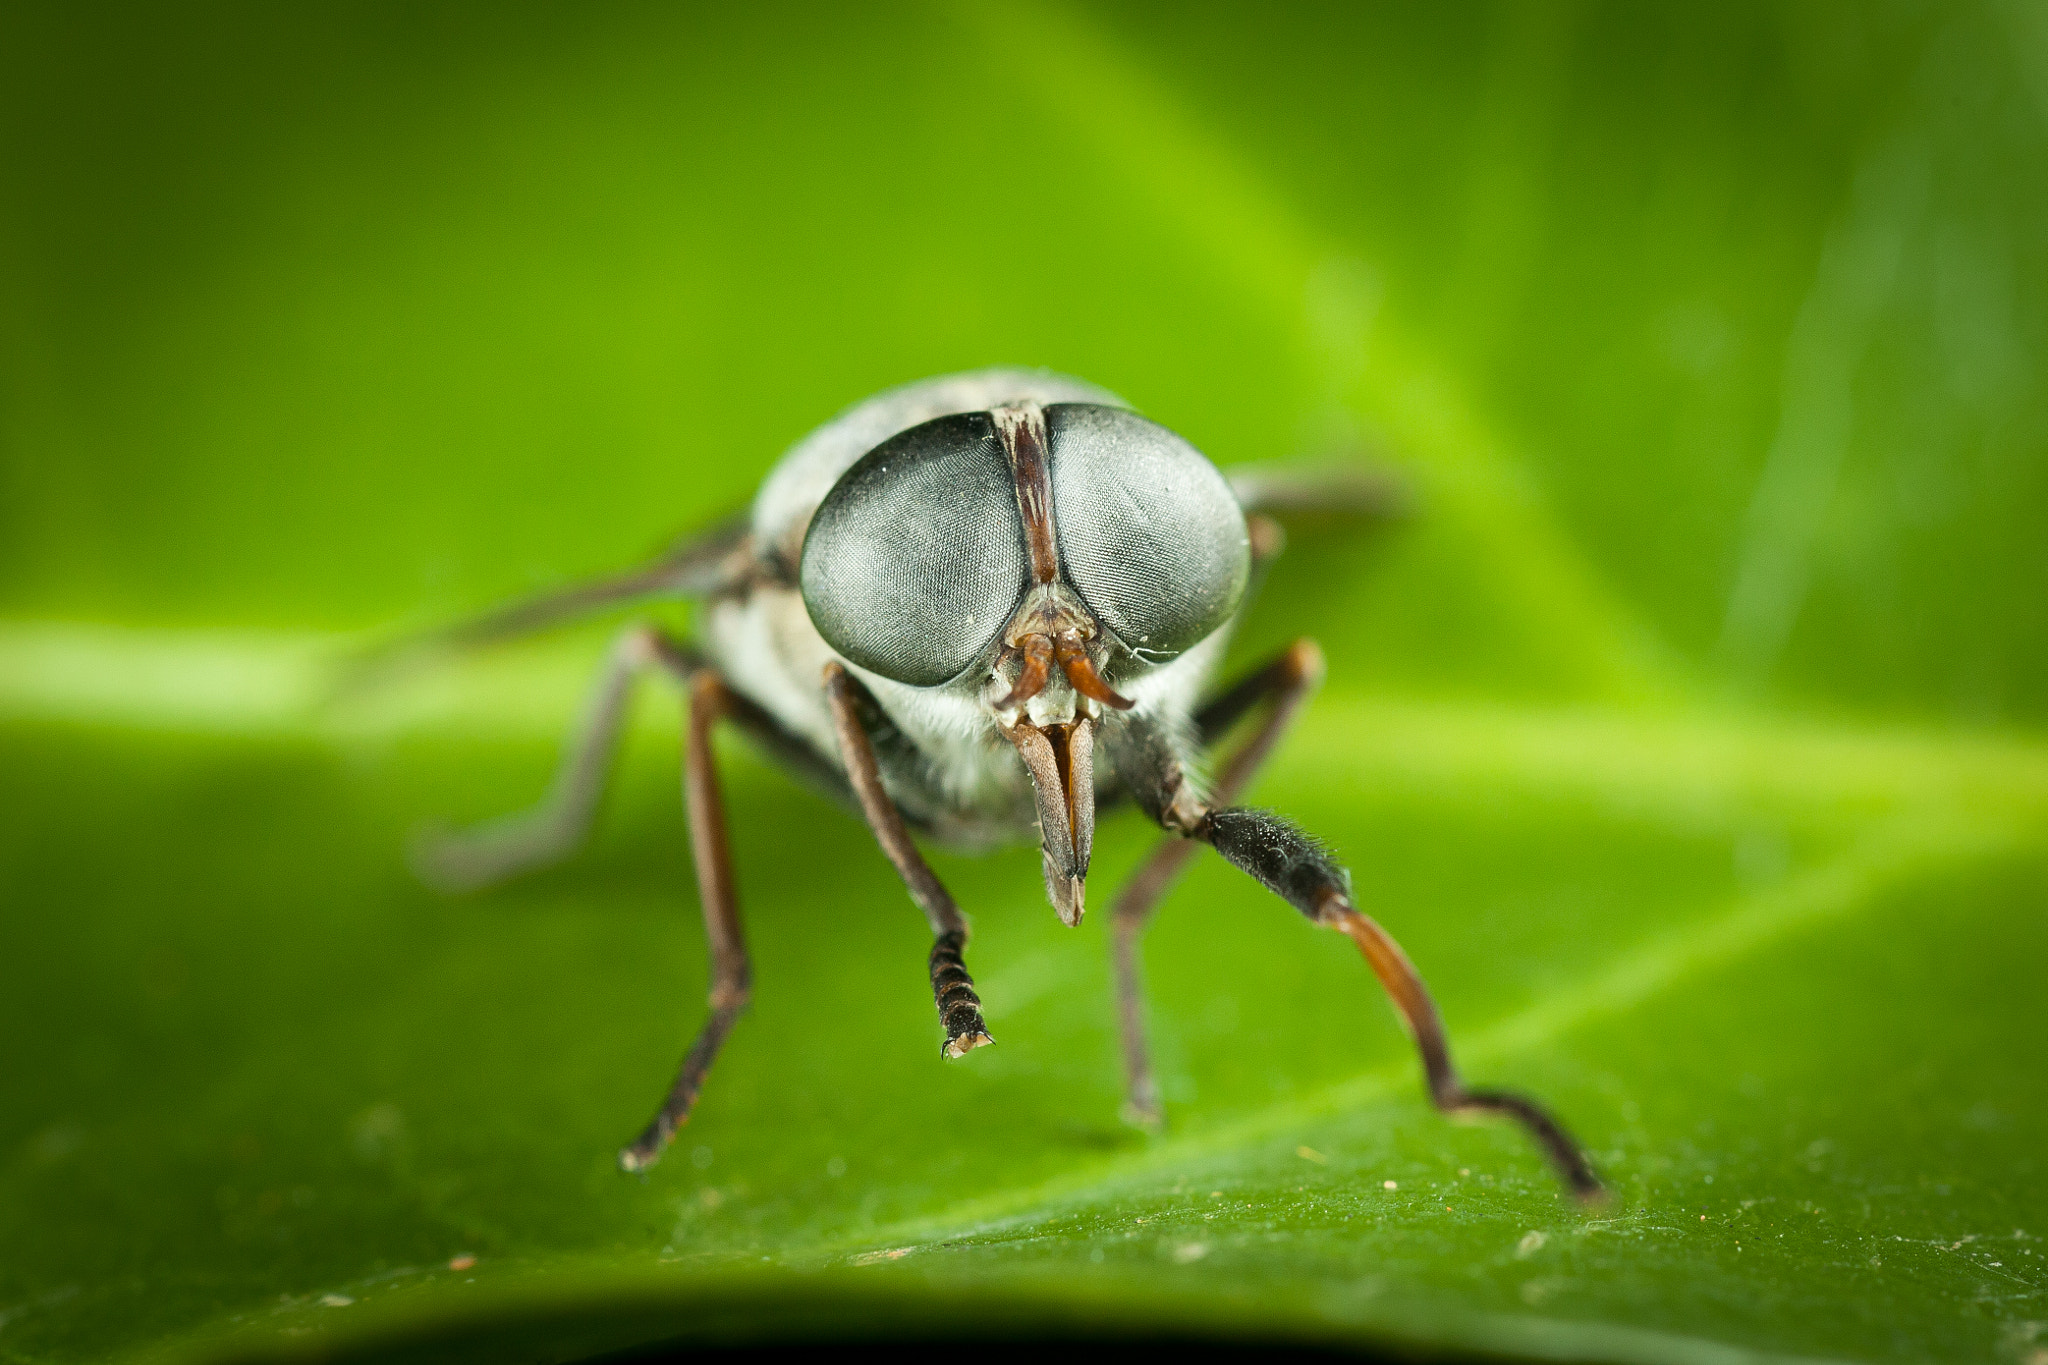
916 557
1150 533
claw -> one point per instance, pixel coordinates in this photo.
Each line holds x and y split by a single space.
962 1044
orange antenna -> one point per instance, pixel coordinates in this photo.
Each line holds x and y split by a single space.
1037 668
1080 671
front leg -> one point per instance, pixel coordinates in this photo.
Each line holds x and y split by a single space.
1285 683
952 987
1288 862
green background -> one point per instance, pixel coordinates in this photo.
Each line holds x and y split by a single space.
1688 733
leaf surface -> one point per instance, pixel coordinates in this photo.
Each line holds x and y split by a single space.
319 324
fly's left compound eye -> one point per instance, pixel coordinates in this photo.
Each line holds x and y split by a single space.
916 558
1150 533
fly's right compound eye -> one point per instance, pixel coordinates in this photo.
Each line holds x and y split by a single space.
916 559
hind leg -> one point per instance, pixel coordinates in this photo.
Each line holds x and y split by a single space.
554 829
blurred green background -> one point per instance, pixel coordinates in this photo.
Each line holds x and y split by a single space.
1688 733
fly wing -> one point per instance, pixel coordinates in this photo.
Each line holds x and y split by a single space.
699 565
703 564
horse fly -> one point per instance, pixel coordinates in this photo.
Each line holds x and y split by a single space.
970 607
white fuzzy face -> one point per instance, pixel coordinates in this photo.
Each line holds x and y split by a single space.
964 734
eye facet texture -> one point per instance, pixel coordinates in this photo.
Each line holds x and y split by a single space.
1150 533
916 558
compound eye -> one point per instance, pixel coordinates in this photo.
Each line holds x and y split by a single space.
1150 533
916 558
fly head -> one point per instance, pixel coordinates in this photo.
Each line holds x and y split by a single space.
1039 556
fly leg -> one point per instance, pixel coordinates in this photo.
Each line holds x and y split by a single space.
557 827
1286 682
731 974
1289 863
500 849
560 823
952 988
1292 865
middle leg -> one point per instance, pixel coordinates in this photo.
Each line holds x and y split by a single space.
732 974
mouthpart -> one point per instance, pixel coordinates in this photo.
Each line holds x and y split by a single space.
1061 761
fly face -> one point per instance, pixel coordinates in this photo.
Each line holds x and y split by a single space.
1033 558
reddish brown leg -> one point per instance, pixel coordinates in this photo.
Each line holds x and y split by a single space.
560 824
1286 682
952 987
731 974
1418 1012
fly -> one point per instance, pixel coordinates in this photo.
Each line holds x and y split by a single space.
976 609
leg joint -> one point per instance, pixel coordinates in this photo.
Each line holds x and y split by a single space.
649 646
732 982
708 694
1304 663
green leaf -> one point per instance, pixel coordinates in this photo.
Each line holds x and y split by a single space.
1687 736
